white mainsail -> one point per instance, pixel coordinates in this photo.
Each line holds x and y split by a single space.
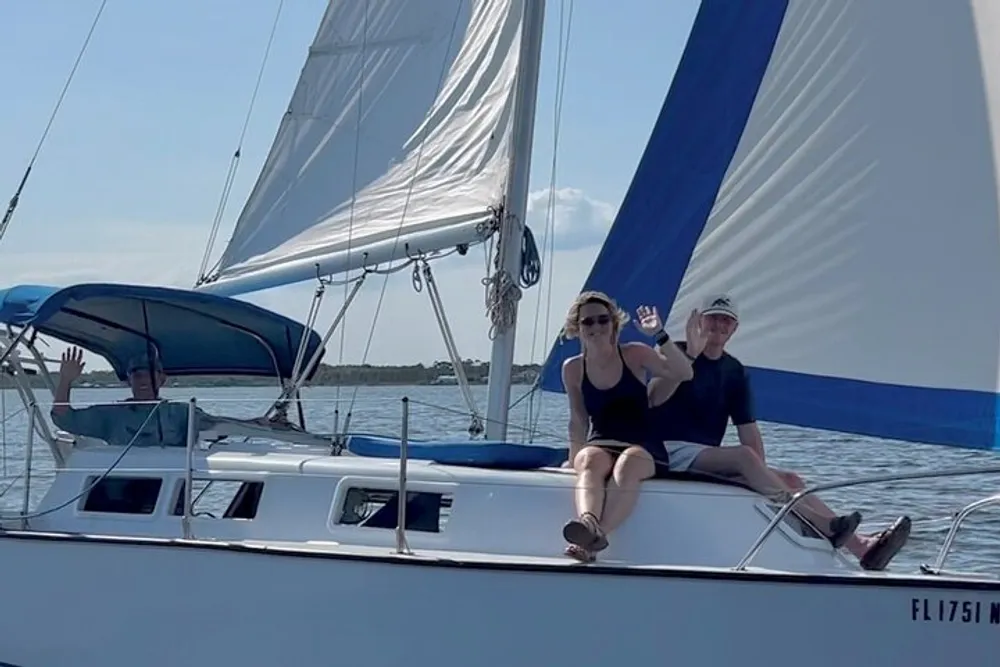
397 141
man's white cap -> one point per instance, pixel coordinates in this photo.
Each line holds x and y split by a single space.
720 304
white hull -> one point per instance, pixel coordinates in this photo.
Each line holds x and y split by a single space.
156 603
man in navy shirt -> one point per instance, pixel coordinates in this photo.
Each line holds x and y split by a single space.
692 419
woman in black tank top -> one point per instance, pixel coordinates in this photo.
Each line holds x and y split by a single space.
610 444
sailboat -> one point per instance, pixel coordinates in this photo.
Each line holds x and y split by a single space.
805 157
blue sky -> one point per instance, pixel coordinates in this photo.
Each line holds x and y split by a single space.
127 183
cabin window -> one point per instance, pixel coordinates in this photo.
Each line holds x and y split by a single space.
379 508
221 499
122 495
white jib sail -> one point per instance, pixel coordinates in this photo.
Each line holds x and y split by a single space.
396 142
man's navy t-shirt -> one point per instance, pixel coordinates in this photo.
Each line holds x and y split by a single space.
700 409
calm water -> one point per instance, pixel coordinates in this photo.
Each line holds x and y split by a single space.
817 456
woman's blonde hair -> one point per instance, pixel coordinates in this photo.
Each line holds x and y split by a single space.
619 318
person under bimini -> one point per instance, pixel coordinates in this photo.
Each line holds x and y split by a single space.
609 444
139 420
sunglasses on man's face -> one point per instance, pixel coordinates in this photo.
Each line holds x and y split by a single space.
591 321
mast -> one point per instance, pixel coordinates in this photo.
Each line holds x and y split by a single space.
515 209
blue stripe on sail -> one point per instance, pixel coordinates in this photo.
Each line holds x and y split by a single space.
647 251
935 416
672 194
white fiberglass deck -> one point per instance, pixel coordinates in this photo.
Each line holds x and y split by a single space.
323 499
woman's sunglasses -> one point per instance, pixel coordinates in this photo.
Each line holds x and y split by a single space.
591 321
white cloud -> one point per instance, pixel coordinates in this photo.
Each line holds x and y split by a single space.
578 220
406 330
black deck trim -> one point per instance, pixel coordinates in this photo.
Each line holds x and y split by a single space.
664 572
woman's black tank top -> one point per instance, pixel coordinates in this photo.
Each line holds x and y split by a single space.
619 412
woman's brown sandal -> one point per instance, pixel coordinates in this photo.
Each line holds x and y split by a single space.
586 533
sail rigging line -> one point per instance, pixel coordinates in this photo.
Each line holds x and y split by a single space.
422 276
447 409
354 185
548 237
502 294
11 483
531 261
12 206
299 378
3 426
280 408
234 162
502 291
310 322
409 191
337 431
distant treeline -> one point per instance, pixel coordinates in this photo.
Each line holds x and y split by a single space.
440 372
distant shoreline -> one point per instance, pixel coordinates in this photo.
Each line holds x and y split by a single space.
440 373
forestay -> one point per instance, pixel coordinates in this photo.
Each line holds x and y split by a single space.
832 165
396 142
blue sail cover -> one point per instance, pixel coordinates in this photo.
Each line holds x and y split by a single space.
833 167
194 333
474 453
